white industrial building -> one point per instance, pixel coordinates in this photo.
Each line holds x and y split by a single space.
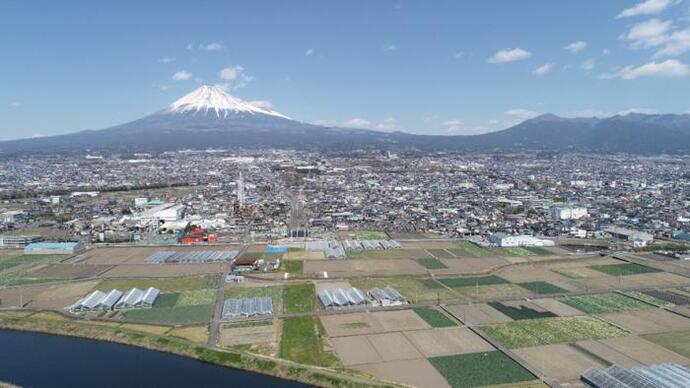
639 239
504 240
167 212
568 212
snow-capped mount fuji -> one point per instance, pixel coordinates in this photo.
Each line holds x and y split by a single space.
214 99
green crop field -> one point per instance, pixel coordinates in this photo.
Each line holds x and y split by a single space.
604 303
172 315
434 318
519 334
299 298
472 281
196 297
480 369
623 269
649 299
540 288
431 264
293 266
371 235
302 342
167 300
520 313
13 260
165 285
677 341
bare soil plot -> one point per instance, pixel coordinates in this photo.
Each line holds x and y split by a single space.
429 245
12 297
491 291
560 362
326 285
523 274
162 270
400 320
416 373
304 255
67 271
252 334
355 350
643 351
447 341
556 307
339 325
649 321
394 347
478 314
472 265
345 268
606 353
60 295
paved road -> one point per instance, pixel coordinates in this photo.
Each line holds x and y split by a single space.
214 327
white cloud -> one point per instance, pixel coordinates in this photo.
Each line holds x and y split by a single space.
235 76
15 105
521 114
677 43
166 60
650 33
647 7
309 52
461 54
605 52
182 75
324 122
576 47
646 111
388 124
389 47
510 55
668 69
213 46
588 64
263 104
543 69
453 125
357 123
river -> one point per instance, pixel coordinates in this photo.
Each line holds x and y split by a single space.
44 360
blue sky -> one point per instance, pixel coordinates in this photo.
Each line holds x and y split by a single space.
442 67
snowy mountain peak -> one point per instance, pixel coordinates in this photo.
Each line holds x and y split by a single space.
215 99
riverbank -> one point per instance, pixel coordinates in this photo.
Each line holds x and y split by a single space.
54 323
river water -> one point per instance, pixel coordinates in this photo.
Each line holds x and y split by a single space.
44 360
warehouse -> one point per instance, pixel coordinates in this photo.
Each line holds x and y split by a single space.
130 299
388 296
18 241
191 257
248 307
89 303
343 298
108 302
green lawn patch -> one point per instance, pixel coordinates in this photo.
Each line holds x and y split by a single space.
293 266
431 264
480 369
299 298
534 332
434 317
542 288
623 269
521 313
604 303
172 315
472 281
302 342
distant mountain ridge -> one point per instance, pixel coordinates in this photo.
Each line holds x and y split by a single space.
209 117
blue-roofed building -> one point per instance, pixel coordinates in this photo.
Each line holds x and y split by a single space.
276 249
53 248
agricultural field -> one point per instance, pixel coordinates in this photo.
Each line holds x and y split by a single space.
185 307
548 331
541 288
371 235
302 342
431 264
521 312
623 269
480 369
165 285
649 298
300 298
389 254
434 318
441 253
676 341
292 266
414 289
604 303
471 281
13 260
